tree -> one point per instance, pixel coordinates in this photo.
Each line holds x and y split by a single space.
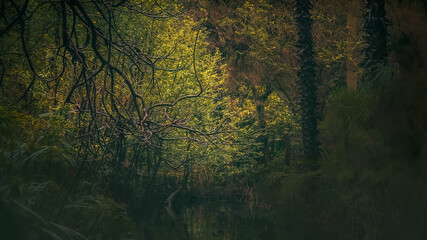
307 78
257 40
351 65
375 27
138 78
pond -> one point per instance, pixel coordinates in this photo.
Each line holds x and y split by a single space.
211 221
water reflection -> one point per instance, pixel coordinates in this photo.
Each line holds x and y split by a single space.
208 221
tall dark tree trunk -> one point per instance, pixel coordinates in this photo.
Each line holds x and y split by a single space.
375 28
287 143
262 125
307 78
351 61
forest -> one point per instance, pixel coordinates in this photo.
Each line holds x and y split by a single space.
213 119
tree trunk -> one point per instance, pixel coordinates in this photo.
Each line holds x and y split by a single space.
375 28
287 141
351 64
307 79
262 124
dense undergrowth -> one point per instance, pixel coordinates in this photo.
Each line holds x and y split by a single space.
369 184
41 195
372 176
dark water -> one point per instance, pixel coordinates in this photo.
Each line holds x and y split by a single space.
210 221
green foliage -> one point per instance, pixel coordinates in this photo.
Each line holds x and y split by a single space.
36 170
366 186
364 167
116 104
